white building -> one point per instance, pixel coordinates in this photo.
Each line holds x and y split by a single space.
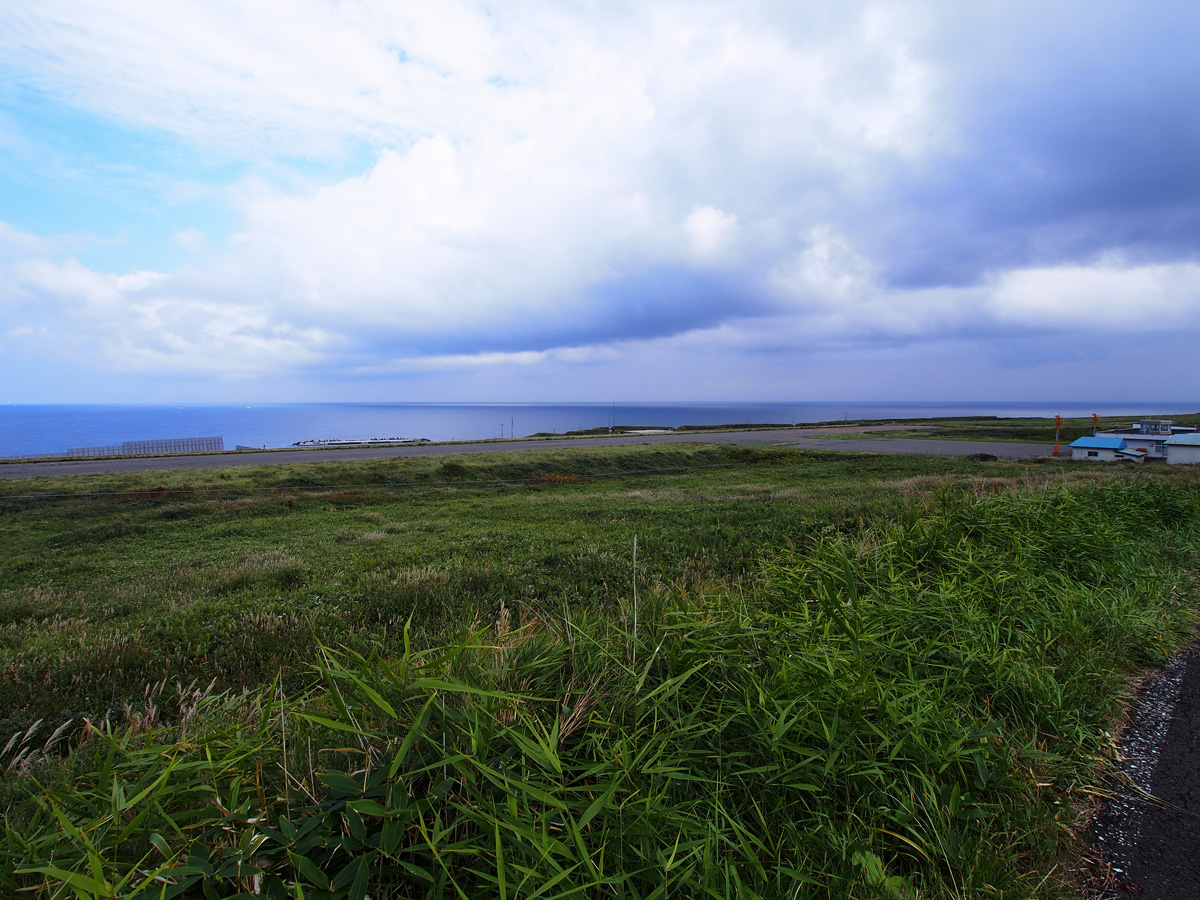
1148 437
1103 448
1183 449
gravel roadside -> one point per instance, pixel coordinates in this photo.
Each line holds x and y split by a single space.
1148 835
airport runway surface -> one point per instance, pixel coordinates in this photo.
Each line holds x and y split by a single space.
799 438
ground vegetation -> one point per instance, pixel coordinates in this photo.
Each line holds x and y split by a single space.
636 672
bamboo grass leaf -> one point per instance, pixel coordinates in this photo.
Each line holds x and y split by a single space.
418 726
333 724
84 887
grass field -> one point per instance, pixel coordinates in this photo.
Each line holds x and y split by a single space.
119 582
1015 430
825 674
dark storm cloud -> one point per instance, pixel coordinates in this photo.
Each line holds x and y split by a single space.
1070 145
653 302
664 300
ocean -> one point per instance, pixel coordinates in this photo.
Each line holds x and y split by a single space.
28 429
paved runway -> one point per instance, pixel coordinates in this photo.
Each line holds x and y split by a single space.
791 437
919 447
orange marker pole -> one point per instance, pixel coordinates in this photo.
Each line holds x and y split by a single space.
1057 429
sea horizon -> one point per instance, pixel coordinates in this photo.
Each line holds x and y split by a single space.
28 429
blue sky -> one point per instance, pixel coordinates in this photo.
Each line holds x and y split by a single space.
535 201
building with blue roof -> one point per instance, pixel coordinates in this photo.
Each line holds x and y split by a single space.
1104 448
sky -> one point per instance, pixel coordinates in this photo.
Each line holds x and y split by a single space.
218 200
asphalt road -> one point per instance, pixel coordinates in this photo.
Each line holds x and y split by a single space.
919 447
791 437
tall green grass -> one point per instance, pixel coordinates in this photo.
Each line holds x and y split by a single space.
101 595
901 709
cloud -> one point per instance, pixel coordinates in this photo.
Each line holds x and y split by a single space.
300 78
147 322
462 188
709 231
1107 296
17 244
829 270
1070 141
572 356
531 170
191 239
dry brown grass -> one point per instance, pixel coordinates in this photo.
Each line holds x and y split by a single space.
411 576
272 566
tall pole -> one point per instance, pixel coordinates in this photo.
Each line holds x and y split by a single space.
1057 429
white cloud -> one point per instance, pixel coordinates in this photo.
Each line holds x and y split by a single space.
440 238
139 323
1106 296
16 244
191 239
831 294
137 282
477 361
528 163
828 271
572 180
298 78
710 230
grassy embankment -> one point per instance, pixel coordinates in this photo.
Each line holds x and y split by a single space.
830 676
1020 430
1014 430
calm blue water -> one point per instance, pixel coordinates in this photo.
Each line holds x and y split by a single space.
50 429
